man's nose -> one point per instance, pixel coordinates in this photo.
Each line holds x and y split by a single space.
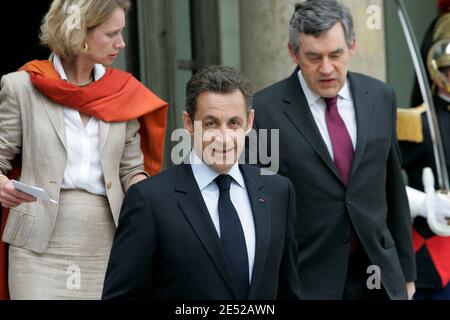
224 135
326 66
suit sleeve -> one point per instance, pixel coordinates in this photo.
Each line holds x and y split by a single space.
129 272
399 217
288 282
132 162
10 126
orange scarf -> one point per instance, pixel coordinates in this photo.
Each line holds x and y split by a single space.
116 97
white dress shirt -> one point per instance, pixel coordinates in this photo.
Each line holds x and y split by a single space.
318 107
205 177
83 170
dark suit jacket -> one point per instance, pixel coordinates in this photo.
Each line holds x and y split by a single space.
166 245
375 200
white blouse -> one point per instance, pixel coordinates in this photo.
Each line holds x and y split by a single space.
83 169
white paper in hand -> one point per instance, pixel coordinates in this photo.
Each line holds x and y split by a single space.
36 192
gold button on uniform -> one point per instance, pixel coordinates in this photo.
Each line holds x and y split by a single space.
109 185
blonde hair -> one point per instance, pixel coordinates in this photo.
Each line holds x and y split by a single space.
66 24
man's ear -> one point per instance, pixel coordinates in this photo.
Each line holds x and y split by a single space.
250 120
294 55
188 123
352 48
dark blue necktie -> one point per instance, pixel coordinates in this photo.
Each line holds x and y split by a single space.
232 237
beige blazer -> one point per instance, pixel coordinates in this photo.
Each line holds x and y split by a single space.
33 125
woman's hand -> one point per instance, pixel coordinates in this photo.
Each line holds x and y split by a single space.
10 197
136 179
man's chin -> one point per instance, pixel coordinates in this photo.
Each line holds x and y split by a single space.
221 168
327 92
221 164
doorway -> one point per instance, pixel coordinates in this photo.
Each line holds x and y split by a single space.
21 27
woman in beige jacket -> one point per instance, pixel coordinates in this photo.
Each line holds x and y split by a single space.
74 121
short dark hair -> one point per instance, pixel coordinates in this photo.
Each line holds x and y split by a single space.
218 79
315 17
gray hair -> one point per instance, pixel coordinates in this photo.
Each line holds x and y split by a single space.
315 17
217 79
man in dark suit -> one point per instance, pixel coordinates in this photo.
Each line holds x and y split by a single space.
338 147
211 229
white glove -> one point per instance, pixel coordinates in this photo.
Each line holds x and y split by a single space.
416 201
432 205
441 203
418 204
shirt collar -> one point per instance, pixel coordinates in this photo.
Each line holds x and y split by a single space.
312 97
204 175
99 70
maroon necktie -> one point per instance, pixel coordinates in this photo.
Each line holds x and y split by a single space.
342 149
340 139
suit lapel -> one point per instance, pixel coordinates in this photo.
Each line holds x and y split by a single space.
363 110
194 209
297 110
260 204
103 130
56 115
299 113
